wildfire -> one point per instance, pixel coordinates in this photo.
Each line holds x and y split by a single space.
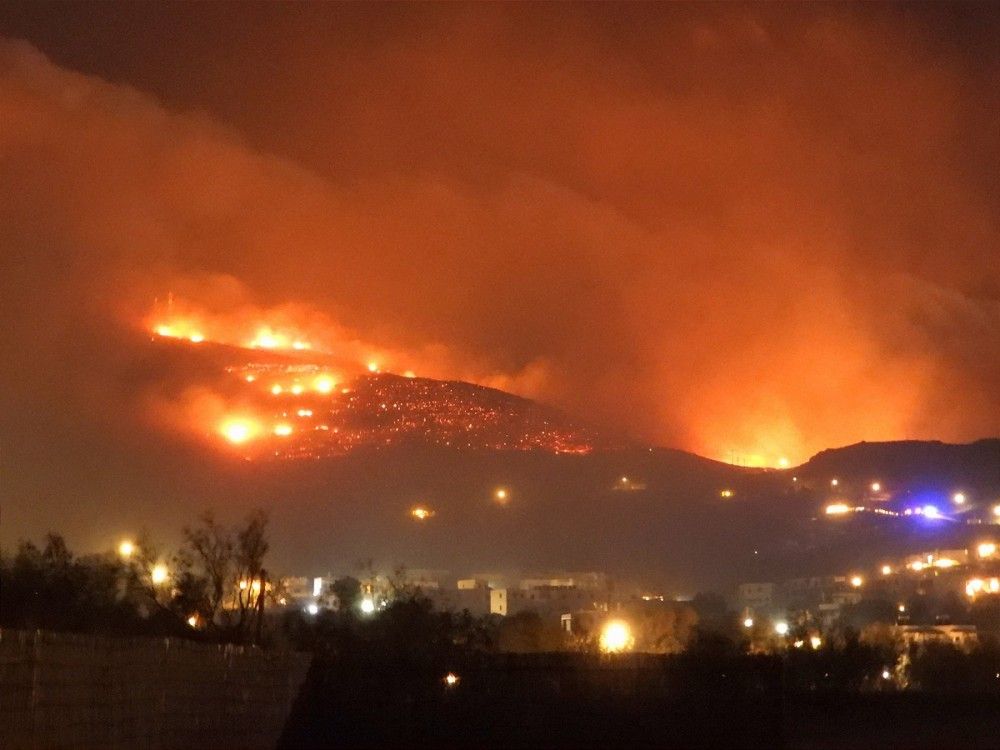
303 387
239 430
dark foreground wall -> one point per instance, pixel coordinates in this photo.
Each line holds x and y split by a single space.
540 701
61 690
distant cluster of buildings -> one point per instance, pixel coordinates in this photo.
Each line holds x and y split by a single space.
962 574
481 594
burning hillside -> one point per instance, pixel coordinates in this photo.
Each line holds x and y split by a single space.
292 392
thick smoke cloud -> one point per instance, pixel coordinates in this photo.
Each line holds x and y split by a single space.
739 232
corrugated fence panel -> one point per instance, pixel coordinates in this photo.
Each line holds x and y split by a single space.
60 690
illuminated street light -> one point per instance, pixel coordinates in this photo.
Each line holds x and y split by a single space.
748 622
815 641
857 581
996 510
986 549
373 366
616 636
901 608
283 430
312 608
126 549
159 574
193 621
501 496
876 487
276 389
781 628
886 570
367 606
451 679
421 513
783 463
886 674
726 493
834 482
958 498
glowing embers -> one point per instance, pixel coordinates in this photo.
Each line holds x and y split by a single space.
308 411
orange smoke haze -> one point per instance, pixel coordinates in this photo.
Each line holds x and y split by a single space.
753 233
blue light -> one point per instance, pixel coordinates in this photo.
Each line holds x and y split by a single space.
931 511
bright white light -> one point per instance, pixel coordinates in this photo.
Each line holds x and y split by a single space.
312 608
193 621
126 549
373 367
886 674
834 482
748 622
451 679
986 549
958 498
856 581
837 509
815 641
159 574
876 487
781 628
783 463
367 606
886 570
931 512
615 637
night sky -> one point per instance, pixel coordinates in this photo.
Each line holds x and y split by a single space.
751 230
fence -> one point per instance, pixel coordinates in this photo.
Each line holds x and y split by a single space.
60 690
